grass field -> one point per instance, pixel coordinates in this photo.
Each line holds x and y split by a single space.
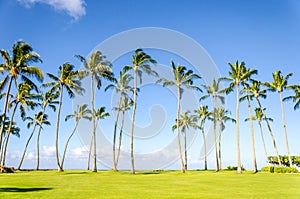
164 184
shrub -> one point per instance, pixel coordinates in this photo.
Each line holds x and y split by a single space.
273 169
233 168
268 169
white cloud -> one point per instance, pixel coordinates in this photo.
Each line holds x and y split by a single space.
74 8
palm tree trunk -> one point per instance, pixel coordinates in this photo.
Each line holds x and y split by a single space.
90 151
204 143
252 132
270 131
220 162
185 150
38 139
69 138
115 134
25 149
263 140
178 130
132 121
4 147
215 132
237 129
5 110
93 123
284 130
57 130
120 139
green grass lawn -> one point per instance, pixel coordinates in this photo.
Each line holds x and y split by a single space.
165 184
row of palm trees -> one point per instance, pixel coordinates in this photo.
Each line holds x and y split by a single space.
17 72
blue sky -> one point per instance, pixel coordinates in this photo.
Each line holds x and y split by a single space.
264 34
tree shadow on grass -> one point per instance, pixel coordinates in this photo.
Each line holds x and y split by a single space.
16 189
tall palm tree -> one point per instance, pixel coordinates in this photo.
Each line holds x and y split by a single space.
17 65
68 78
202 114
121 86
185 121
215 92
82 112
182 78
38 120
279 84
256 92
25 99
237 74
140 63
48 99
222 117
97 67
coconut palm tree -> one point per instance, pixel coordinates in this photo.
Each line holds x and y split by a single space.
222 117
140 63
98 68
202 114
215 92
25 99
259 116
99 114
38 120
120 86
279 84
17 65
68 78
185 121
256 92
82 112
182 78
237 74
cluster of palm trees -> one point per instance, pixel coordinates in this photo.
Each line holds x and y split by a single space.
24 93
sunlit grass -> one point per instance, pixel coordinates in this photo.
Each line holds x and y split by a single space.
148 184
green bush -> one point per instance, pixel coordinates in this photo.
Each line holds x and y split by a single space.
273 169
233 168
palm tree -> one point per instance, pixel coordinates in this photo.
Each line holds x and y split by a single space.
280 84
259 116
185 121
222 117
121 86
214 91
48 99
140 63
237 74
98 68
182 78
68 79
99 114
24 98
202 114
82 112
17 65
38 120
256 92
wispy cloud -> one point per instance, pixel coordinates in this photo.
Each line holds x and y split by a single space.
74 8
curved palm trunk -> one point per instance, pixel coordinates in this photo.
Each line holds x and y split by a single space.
178 131
132 121
69 138
204 143
90 151
25 149
115 134
263 140
270 131
220 162
93 123
4 147
59 168
284 130
38 149
237 129
185 150
252 132
120 138
5 110
215 133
